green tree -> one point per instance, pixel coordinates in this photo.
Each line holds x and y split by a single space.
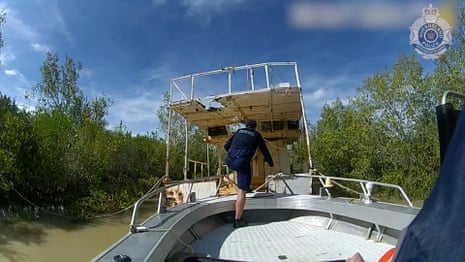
59 90
54 132
67 165
401 103
329 144
449 73
298 155
386 132
16 144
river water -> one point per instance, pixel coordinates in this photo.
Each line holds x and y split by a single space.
56 240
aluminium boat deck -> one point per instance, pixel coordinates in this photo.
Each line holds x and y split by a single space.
282 228
293 240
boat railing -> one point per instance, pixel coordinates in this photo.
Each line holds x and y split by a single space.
327 182
447 115
450 93
258 76
161 191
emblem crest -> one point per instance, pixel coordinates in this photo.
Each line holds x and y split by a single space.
430 35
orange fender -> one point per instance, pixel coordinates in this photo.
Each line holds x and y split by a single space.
387 257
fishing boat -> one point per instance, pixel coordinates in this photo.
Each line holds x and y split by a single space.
292 215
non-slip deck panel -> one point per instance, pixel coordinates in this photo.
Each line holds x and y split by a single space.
292 240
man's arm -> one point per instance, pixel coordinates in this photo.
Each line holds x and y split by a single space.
265 151
228 143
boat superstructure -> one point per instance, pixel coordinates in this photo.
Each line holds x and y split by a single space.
293 216
219 101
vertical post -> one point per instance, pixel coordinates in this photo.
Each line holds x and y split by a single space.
186 148
219 150
297 77
307 138
168 134
201 169
208 161
192 87
195 169
230 82
267 76
251 79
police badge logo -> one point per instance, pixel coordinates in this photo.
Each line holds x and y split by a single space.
430 35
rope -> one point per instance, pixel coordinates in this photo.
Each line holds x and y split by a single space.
343 187
89 217
351 190
37 206
111 214
346 188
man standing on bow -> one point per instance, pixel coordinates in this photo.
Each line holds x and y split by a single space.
241 148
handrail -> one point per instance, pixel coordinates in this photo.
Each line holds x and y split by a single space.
269 178
157 184
366 185
448 93
233 68
133 227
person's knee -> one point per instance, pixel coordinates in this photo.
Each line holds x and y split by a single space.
241 192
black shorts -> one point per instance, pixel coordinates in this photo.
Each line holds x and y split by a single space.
244 171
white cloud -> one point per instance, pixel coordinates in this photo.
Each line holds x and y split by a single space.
162 74
57 21
14 85
354 14
320 90
6 56
204 10
26 106
136 112
209 6
18 76
11 72
15 28
19 27
40 48
88 73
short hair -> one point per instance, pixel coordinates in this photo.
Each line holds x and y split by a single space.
251 123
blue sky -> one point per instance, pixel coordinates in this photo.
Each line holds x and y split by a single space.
130 49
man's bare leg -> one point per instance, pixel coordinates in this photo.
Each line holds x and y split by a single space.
240 203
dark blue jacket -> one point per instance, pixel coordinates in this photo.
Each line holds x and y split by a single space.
437 233
244 143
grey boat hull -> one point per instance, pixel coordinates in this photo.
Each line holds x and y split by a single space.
171 236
